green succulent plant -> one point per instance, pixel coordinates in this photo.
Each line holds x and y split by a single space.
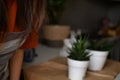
55 9
78 50
101 45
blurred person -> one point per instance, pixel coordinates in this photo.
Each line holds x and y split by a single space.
20 21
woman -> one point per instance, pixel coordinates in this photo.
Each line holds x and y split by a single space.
19 22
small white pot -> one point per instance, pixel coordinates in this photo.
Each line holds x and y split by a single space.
77 69
97 60
64 50
67 43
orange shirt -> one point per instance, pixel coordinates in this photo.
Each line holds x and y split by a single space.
32 40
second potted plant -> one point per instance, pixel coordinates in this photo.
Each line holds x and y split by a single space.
53 32
78 60
99 50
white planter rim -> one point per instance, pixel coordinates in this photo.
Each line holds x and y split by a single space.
96 50
77 62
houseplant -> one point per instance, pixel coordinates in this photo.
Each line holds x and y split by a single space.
78 60
68 42
53 33
99 50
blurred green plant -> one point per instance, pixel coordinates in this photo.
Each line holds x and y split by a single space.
101 45
55 10
78 50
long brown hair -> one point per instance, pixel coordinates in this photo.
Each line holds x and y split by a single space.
30 15
3 20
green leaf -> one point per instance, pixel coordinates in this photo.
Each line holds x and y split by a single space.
78 50
55 9
100 44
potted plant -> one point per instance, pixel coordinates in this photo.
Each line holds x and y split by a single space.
78 60
74 35
68 44
99 50
54 33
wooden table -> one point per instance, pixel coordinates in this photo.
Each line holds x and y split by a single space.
56 69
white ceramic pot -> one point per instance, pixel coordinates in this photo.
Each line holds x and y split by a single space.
77 69
97 60
64 50
67 43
